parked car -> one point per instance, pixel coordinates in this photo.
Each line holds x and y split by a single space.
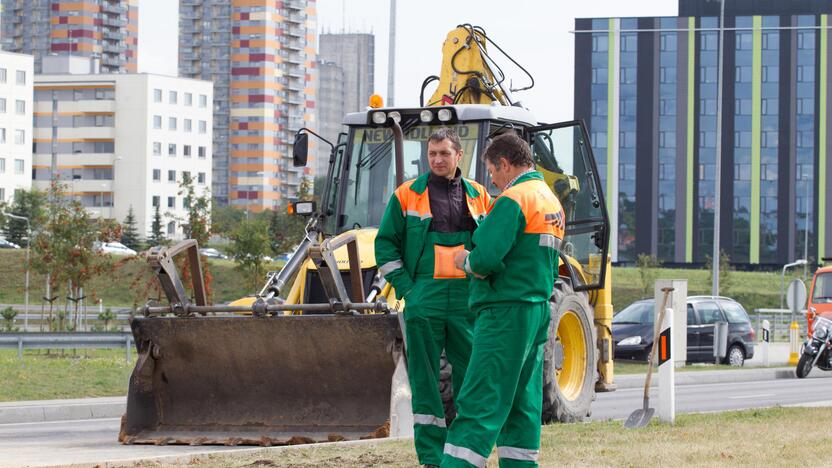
5 244
211 252
632 330
114 248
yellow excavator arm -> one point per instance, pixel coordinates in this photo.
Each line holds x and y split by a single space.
467 76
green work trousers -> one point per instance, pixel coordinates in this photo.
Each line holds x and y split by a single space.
501 398
436 317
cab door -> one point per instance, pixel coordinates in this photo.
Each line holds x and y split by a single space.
563 155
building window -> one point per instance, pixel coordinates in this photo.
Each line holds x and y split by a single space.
2 75
19 137
171 176
3 105
186 149
189 98
805 73
20 77
2 194
203 126
20 107
2 165
18 166
186 176
171 204
157 121
171 225
201 152
157 175
157 95
2 135
171 123
172 97
157 148
155 201
171 149
187 125
200 178
203 100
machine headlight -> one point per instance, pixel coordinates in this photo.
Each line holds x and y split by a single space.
396 116
426 116
631 341
379 118
444 115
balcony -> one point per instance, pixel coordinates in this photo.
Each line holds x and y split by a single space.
87 106
108 7
87 132
114 35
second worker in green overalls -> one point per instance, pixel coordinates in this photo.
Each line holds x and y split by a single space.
427 221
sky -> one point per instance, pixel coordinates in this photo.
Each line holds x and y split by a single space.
535 33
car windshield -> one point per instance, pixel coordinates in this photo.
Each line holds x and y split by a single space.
639 312
371 175
734 312
822 291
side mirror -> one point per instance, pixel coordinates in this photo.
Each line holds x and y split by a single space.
300 149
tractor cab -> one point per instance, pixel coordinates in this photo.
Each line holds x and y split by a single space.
363 171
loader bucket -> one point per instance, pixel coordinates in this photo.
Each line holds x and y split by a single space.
261 380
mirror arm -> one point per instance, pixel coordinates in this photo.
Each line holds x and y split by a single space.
306 130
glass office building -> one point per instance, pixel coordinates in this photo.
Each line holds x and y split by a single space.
651 108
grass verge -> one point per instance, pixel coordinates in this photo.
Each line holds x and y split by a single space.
713 439
79 374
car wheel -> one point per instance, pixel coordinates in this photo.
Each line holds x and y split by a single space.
736 356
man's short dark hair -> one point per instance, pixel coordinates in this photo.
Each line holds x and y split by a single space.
446 133
509 146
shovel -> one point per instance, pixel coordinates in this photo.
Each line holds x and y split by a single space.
640 417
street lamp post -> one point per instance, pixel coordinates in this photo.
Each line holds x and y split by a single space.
718 162
28 249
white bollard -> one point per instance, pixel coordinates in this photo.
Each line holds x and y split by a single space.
667 370
765 338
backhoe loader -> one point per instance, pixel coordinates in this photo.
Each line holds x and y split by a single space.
318 353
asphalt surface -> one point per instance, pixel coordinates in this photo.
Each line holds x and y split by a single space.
94 441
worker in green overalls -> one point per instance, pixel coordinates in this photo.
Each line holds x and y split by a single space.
427 221
514 263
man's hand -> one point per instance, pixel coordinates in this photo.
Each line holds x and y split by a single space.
459 259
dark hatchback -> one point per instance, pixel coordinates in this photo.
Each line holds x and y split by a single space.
632 330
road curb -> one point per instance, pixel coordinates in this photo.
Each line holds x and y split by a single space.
720 376
62 410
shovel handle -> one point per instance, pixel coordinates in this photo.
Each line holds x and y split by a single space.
653 348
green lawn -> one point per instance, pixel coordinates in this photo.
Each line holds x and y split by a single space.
754 438
120 287
57 375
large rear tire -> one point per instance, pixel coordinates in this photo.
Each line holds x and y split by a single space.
804 365
569 363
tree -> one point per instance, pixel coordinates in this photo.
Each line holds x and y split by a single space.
157 234
199 211
28 204
285 231
224 219
725 277
64 246
249 243
129 233
648 271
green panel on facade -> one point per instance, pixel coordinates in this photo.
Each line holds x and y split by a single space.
690 140
756 110
612 110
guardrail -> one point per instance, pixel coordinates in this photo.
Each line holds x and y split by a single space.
80 340
779 320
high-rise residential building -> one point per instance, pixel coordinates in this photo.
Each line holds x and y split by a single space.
647 88
107 30
16 77
118 141
345 83
260 54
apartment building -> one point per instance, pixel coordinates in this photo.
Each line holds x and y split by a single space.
16 78
124 140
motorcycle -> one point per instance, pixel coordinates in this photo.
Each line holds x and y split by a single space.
817 351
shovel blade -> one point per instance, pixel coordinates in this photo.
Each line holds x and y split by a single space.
639 418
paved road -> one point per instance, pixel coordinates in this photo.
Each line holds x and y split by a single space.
90 441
